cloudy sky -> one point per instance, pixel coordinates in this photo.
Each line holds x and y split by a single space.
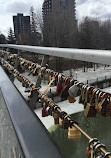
95 8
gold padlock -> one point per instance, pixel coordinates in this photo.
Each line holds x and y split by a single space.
90 110
61 122
101 101
73 133
56 117
61 118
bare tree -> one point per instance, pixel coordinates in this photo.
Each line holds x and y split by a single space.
35 33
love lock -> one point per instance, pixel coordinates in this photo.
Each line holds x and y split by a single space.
61 118
73 90
73 132
101 107
90 110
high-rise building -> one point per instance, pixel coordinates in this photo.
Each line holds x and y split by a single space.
60 22
21 24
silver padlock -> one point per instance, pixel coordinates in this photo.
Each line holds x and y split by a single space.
73 90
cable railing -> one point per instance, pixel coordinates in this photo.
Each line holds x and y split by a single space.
50 108
94 100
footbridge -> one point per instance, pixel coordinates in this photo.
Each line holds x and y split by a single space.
23 134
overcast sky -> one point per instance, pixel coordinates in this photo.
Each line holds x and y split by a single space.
95 8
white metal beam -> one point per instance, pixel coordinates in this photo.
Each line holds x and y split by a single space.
90 55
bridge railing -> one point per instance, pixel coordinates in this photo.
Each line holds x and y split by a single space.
95 56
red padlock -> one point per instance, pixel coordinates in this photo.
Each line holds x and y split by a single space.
59 88
44 114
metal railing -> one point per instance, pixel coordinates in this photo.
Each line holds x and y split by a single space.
96 56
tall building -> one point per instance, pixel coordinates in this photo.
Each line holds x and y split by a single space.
59 22
21 24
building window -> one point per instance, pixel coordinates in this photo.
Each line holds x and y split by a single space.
63 3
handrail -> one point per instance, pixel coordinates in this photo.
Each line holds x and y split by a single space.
89 55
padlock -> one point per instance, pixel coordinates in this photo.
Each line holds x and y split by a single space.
81 97
48 75
88 95
21 78
35 73
56 117
38 68
51 107
83 93
31 93
73 90
102 102
64 93
71 99
108 109
97 98
48 110
66 121
71 82
88 152
73 132
26 83
79 88
44 105
61 122
23 82
59 84
80 100
61 118
43 72
44 114
86 100
26 65
55 114
104 107
59 88
90 110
